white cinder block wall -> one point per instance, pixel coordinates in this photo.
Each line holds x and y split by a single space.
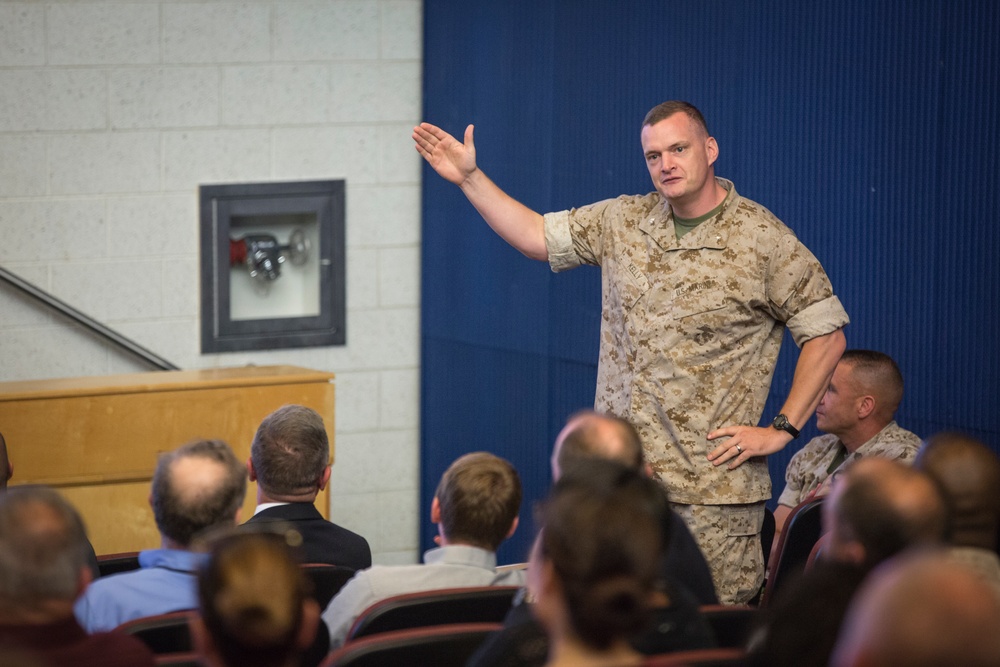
112 114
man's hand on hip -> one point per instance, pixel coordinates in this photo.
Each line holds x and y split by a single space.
745 442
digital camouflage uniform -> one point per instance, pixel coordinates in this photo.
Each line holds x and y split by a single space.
808 468
690 333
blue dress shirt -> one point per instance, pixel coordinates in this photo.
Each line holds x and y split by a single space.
165 581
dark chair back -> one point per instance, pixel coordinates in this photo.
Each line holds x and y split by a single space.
802 529
439 645
327 580
479 604
163 633
731 624
115 563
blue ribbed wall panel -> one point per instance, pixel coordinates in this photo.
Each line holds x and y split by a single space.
869 126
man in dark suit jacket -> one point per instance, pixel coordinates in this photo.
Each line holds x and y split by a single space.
290 461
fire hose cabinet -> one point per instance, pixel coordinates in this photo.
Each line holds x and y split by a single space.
272 265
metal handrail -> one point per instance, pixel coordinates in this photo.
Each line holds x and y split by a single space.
82 318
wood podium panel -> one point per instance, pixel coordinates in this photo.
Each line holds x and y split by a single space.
97 439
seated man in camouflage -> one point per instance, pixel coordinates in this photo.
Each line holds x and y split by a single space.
857 414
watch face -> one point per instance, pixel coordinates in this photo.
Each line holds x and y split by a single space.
780 422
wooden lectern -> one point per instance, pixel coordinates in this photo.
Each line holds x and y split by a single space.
96 439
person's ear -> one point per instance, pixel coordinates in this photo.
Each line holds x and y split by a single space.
851 552
866 406
324 479
201 638
435 511
309 624
712 150
83 580
513 527
251 473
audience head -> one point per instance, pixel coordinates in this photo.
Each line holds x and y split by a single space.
968 474
196 487
879 507
921 610
43 554
588 435
254 602
594 566
290 455
477 501
862 397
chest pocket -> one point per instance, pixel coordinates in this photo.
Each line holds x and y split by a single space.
633 283
697 298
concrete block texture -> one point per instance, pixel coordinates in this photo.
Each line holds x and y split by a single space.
114 112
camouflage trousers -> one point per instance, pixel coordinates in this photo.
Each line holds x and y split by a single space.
729 537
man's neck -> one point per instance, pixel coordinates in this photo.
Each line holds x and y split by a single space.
702 203
267 497
167 543
567 650
860 434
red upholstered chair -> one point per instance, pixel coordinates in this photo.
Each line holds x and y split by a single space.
731 624
817 551
478 604
115 563
439 645
706 657
802 528
162 633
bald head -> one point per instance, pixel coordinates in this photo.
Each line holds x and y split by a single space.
589 435
921 610
968 474
880 507
198 486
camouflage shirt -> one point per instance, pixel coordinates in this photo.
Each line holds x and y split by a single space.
808 467
690 329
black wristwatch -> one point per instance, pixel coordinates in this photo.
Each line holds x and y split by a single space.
781 423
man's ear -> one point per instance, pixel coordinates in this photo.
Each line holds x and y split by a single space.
251 473
435 511
324 479
852 552
201 638
308 625
712 150
866 406
513 527
83 579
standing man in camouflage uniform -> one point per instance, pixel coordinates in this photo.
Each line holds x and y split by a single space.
856 414
698 284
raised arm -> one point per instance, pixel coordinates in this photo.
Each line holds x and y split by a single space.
455 162
817 361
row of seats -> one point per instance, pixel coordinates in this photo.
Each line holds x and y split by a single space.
446 625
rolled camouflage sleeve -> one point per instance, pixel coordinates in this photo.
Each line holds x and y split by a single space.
818 319
559 242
